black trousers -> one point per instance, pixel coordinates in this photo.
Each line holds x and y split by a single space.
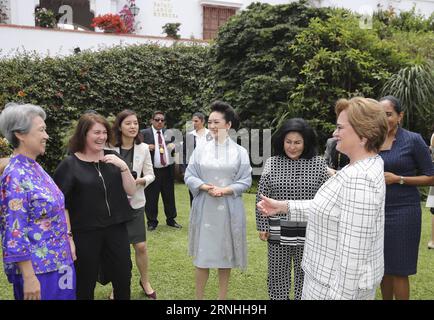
164 183
108 249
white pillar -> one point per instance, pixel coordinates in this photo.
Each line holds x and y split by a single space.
22 12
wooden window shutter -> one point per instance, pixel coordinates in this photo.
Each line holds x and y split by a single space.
213 18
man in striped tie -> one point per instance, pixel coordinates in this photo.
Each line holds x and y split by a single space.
161 151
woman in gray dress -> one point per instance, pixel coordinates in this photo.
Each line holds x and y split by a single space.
218 173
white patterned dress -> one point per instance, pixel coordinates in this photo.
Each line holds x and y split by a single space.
344 250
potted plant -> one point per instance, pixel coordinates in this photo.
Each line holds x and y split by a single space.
171 30
45 18
3 12
110 23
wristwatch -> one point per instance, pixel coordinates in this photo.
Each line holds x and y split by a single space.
401 180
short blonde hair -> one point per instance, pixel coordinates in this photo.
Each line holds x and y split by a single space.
368 119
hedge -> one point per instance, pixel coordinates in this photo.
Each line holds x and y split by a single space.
142 78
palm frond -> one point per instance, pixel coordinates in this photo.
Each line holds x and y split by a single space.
414 87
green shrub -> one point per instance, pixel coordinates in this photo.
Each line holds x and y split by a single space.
388 21
252 64
414 87
418 45
276 62
334 59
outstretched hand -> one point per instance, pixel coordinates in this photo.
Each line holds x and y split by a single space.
271 207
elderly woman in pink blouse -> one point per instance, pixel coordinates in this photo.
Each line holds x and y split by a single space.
343 255
38 249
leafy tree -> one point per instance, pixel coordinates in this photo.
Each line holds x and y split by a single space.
419 46
253 68
387 22
334 59
274 62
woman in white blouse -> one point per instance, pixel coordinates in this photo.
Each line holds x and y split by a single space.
343 255
138 158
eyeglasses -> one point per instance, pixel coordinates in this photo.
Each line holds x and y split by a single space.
158 120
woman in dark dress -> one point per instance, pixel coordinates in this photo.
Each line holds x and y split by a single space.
95 183
407 164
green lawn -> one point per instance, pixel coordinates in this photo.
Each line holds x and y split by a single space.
172 271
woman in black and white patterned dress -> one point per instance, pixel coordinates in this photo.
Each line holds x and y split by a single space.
295 172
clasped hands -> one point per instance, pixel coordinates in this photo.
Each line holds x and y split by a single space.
213 190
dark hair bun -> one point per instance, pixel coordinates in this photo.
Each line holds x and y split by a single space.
395 102
228 113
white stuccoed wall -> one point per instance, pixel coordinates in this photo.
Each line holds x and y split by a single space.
151 18
47 42
425 7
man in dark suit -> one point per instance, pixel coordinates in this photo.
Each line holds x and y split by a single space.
162 160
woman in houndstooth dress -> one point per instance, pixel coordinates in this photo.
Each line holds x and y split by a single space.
295 172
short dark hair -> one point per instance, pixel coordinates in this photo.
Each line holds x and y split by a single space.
77 143
227 111
200 115
396 104
158 112
301 126
117 133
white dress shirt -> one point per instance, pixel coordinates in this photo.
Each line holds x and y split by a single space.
200 140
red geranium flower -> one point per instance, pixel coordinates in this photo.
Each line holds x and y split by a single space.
109 23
